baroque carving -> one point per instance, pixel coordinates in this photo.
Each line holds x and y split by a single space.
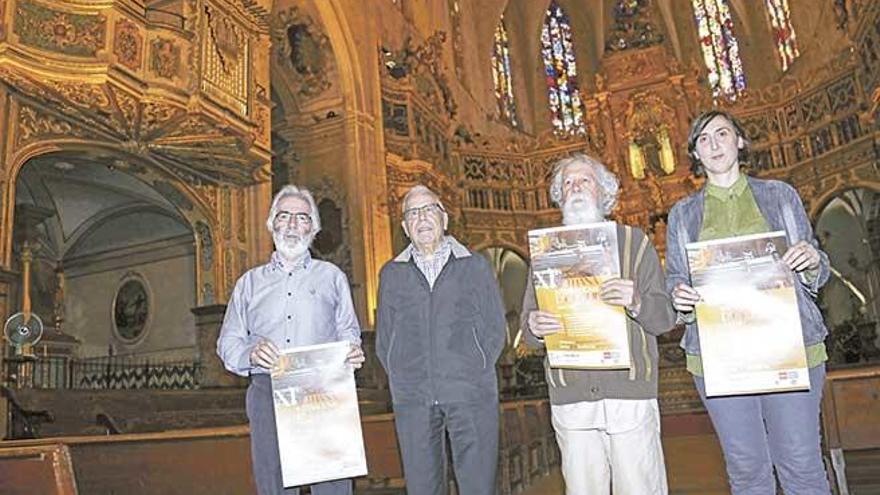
241 209
301 45
165 58
208 194
422 65
226 212
88 96
128 44
194 125
225 69
629 67
263 122
632 27
155 115
206 247
35 125
127 107
54 30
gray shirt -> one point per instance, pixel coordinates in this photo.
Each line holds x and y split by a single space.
307 304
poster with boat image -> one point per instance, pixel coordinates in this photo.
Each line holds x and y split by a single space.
317 416
747 317
569 265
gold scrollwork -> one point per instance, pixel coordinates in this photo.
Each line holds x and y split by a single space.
34 125
89 96
155 115
71 34
127 106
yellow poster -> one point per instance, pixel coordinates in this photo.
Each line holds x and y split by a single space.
317 416
569 265
747 318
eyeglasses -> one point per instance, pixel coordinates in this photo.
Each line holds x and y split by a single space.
429 209
300 218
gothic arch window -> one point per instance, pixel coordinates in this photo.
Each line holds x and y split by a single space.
720 48
502 74
557 50
783 32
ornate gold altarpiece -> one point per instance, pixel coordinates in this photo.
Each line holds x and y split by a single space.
174 93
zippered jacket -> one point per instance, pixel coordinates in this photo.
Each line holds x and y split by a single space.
440 345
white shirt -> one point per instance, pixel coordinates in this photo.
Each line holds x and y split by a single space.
611 415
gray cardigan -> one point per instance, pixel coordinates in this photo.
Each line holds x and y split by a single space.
655 317
781 206
440 346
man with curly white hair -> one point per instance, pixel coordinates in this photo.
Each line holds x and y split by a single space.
291 301
607 422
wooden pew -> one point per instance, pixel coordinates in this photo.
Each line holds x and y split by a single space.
384 467
217 460
43 469
850 416
209 461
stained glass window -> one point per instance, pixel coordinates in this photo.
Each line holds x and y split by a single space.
720 48
502 74
566 108
783 32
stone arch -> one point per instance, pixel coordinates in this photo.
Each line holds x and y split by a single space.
511 270
818 203
98 221
847 224
503 244
191 207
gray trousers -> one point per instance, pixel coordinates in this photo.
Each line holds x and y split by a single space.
264 445
758 432
473 435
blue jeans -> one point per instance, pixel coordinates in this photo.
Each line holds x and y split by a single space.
758 432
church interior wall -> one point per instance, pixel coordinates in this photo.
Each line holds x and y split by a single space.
167 269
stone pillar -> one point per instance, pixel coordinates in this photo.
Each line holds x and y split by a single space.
208 321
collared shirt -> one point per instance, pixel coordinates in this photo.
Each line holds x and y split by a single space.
432 267
731 211
609 415
305 304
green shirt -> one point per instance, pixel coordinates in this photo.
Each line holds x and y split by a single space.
729 212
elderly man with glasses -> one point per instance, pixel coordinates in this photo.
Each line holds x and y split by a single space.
440 329
290 301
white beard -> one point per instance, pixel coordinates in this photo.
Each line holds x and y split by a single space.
581 208
291 245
